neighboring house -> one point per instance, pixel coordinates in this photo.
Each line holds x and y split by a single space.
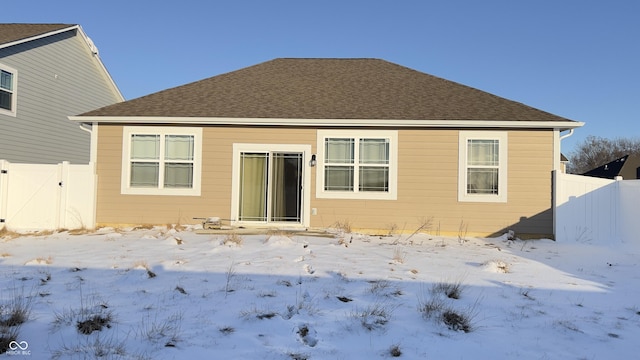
48 72
320 142
627 167
563 163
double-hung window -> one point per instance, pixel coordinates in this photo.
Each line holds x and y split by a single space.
357 164
7 90
483 166
161 161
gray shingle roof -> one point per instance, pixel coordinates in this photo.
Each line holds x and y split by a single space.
14 32
327 89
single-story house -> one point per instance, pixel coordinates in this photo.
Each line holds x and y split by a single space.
319 142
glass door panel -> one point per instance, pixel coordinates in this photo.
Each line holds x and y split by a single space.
253 186
286 186
270 186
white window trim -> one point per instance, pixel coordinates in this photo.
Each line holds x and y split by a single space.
502 137
392 135
239 148
127 131
14 91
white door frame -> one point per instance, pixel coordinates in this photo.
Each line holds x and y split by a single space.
306 181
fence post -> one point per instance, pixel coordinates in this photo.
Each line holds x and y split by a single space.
4 192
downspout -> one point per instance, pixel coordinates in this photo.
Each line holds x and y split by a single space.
93 144
567 135
554 178
93 157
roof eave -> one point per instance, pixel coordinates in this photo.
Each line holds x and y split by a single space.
544 124
40 36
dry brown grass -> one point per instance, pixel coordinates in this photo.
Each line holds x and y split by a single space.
8 234
233 239
81 231
342 225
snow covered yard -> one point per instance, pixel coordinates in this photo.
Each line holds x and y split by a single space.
167 294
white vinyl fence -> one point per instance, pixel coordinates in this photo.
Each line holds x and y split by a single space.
47 197
589 209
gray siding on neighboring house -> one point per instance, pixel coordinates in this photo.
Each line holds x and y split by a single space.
57 76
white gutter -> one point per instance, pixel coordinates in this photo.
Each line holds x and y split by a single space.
560 125
567 135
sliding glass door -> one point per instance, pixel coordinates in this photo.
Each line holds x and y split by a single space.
270 186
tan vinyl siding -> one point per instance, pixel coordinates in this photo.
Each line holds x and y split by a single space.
215 199
427 185
57 77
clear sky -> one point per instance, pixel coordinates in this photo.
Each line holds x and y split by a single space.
575 58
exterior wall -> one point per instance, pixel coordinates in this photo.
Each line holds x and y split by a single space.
57 76
215 199
427 185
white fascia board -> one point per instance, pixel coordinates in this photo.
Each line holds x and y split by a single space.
51 33
330 122
92 47
86 40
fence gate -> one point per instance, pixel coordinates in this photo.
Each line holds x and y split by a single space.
47 197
